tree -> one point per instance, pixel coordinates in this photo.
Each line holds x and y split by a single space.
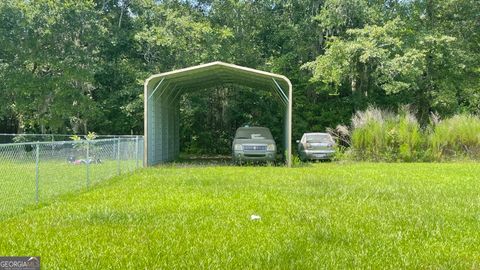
48 62
418 63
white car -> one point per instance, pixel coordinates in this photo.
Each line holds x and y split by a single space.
316 146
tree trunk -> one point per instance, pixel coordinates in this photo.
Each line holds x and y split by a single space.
424 93
21 125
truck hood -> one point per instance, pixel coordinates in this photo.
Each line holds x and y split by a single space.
250 141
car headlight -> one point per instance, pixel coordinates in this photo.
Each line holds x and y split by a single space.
238 147
271 147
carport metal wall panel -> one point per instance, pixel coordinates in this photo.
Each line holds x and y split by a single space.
162 103
177 126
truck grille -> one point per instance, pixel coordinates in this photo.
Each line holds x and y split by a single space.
255 147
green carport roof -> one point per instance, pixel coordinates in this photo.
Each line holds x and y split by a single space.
215 73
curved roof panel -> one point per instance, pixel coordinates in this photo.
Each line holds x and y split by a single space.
211 74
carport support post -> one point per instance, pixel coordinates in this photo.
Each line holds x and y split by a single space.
289 124
37 161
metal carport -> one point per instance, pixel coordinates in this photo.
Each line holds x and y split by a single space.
162 103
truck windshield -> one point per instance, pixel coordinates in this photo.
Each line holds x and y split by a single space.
319 138
253 133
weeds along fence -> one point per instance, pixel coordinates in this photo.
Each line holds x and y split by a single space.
36 172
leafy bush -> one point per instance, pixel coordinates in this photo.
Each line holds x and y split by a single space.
456 138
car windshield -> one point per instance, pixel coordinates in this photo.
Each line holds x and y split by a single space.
253 133
319 138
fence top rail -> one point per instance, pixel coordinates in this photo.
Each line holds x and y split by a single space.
66 142
67 135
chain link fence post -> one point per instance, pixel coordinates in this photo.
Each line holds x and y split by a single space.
118 156
87 161
136 152
37 161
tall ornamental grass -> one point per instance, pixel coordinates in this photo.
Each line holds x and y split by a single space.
456 138
378 135
368 134
383 136
409 138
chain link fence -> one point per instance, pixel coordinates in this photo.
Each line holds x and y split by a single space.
36 172
22 138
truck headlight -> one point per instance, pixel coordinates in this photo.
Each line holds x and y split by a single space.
238 147
271 147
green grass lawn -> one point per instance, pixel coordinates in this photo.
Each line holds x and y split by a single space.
326 215
56 177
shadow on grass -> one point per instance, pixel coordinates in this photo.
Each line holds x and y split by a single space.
186 160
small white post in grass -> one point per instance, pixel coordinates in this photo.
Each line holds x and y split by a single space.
255 217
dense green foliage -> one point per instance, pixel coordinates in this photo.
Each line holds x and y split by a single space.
78 66
330 215
378 135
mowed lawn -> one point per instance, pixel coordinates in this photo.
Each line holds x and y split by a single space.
326 215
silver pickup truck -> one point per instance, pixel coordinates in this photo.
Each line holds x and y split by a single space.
253 144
